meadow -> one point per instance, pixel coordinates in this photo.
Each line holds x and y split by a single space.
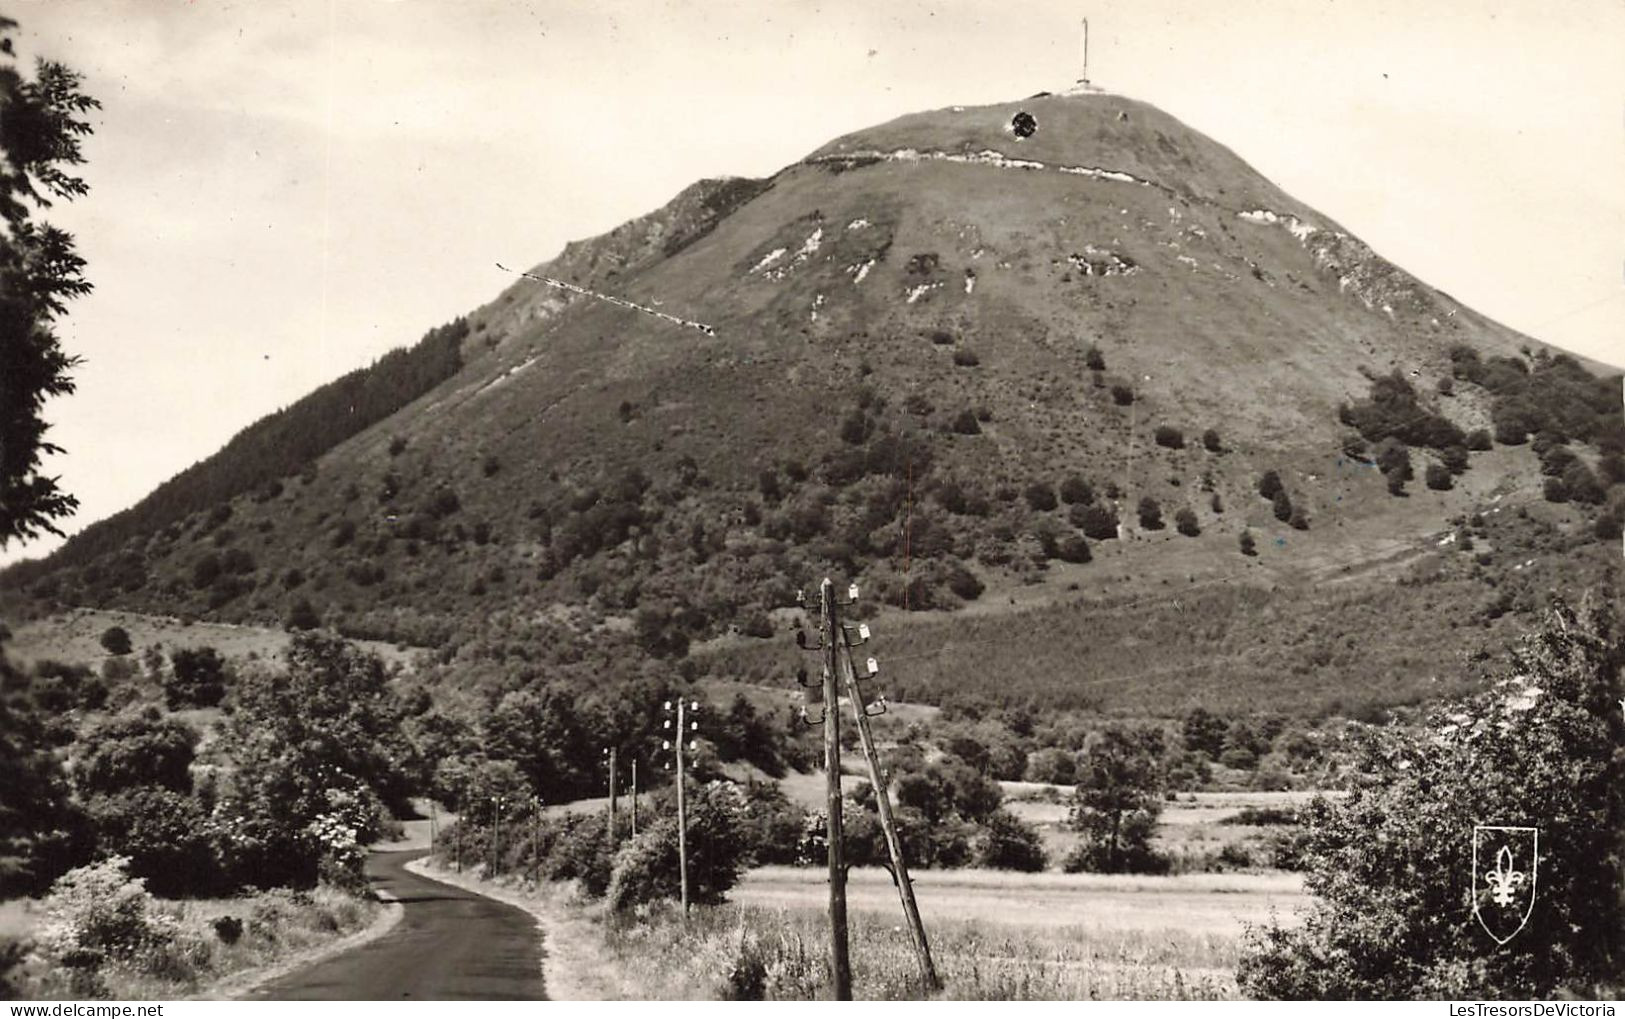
994 935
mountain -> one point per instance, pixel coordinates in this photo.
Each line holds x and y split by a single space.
955 357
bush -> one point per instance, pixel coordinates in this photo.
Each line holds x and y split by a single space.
966 358
580 852
164 836
1299 520
1249 547
1122 395
1040 496
1282 505
1073 548
965 423
1439 478
1211 442
646 868
1095 360
1478 440
1169 437
1007 842
116 640
1389 864
964 584
228 928
1185 522
1269 484
1150 514
197 679
302 616
1100 523
136 751
1455 459
1050 764
1075 491
97 912
1555 490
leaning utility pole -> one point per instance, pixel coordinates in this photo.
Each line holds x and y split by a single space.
877 778
840 962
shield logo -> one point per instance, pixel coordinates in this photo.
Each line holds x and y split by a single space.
1505 861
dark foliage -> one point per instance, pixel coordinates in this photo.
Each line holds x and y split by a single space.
1150 514
1169 437
1392 411
42 123
278 445
1391 865
197 678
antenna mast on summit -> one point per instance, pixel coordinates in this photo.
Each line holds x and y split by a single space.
1085 79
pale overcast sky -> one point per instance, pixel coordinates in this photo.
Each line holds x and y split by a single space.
282 191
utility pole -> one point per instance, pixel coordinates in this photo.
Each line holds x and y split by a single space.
877 778
840 962
685 726
634 797
496 839
609 752
536 840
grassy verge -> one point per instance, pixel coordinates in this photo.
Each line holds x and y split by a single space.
204 948
779 952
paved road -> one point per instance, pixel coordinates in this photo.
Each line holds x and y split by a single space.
449 944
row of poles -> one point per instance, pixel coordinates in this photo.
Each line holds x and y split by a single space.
835 642
683 738
839 679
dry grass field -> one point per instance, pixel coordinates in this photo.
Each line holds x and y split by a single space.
994 935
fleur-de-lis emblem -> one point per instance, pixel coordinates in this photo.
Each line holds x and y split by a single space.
1504 881
1506 860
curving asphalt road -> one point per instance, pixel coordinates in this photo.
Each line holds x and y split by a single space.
449 944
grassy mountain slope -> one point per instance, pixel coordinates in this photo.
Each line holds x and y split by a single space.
914 327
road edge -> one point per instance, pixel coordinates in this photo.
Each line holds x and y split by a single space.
247 982
573 967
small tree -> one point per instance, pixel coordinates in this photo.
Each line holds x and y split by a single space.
1185 522
1117 802
1040 496
1269 484
647 867
1169 437
197 678
1150 514
1075 491
116 640
1282 506
1100 523
1095 360
302 616
1211 441
1249 547
1073 549
1006 842
1122 395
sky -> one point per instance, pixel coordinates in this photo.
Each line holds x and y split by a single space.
283 191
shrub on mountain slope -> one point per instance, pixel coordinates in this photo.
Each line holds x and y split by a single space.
1391 864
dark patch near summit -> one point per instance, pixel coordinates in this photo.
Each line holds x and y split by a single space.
1023 125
